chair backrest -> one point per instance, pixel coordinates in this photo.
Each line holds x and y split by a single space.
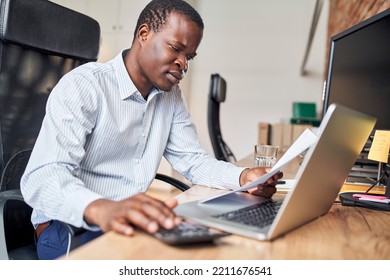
217 94
40 41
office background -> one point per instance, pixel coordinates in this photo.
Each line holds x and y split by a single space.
258 46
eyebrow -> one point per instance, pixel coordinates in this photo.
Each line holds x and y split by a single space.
193 55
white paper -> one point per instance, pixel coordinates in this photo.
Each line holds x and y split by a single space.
304 141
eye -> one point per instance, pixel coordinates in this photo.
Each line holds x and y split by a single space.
174 48
179 51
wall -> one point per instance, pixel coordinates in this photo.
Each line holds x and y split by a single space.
343 14
346 13
257 45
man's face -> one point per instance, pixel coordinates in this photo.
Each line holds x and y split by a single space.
164 55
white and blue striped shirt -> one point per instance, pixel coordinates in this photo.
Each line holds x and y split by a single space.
101 139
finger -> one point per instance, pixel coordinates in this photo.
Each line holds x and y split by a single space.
122 228
269 190
261 193
162 207
154 213
151 214
264 190
157 211
139 219
278 175
270 181
171 203
274 180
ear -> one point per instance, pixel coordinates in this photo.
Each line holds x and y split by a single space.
143 33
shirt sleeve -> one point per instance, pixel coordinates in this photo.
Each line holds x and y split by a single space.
51 183
186 155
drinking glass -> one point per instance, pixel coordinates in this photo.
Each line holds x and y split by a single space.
265 155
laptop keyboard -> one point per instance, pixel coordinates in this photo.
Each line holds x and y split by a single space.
258 215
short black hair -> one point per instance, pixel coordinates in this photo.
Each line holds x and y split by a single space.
155 14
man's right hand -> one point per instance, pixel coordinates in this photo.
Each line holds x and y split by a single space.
140 211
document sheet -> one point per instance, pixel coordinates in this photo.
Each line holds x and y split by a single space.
303 142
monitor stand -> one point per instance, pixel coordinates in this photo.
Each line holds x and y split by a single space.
365 171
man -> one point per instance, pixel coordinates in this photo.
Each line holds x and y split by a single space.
107 125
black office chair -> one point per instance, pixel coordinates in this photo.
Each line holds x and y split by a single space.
40 41
16 231
217 94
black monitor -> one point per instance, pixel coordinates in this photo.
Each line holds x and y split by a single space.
359 69
359 77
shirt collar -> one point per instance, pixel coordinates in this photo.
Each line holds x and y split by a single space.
126 85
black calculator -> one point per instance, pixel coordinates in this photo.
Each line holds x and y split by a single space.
188 232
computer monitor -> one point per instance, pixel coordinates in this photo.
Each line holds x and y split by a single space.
359 69
359 77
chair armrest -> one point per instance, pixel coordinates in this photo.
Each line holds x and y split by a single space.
7 197
10 194
4 197
173 181
17 195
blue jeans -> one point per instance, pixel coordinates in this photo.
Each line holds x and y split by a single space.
53 241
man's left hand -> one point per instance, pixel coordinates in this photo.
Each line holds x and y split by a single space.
267 189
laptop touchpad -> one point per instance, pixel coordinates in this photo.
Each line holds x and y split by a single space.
234 200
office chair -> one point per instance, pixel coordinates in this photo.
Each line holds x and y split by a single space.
40 41
217 94
16 231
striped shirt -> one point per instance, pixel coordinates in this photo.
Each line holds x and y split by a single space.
101 139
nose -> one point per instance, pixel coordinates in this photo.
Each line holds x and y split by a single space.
183 63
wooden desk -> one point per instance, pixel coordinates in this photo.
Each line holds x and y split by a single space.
344 233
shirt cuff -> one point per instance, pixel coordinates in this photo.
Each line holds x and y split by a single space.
81 198
232 176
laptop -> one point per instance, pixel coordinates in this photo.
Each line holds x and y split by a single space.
341 137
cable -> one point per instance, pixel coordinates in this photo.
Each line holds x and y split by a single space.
69 243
